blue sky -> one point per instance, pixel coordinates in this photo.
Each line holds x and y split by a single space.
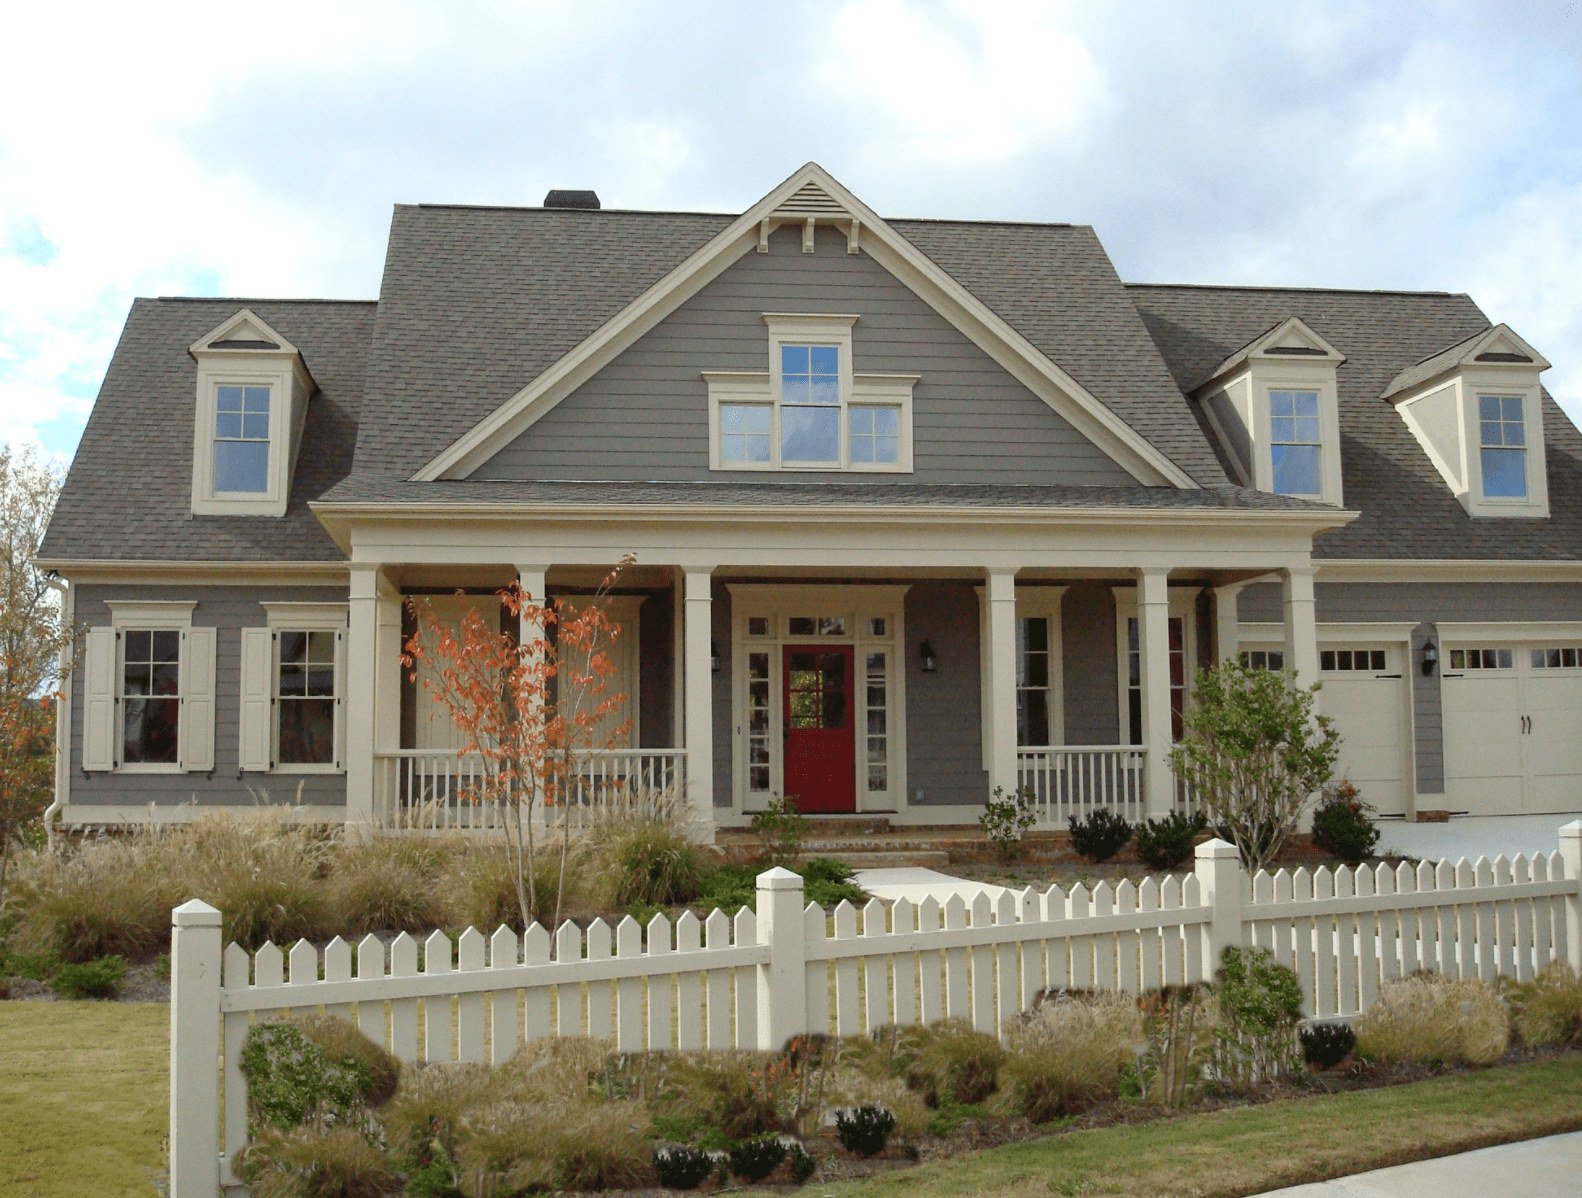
197 149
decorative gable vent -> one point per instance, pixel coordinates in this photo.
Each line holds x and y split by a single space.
810 206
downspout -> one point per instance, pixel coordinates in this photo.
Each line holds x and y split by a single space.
62 711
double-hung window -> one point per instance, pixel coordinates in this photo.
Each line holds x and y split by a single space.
305 697
1295 443
1032 681
241 439
292 689
810 405
1503 446
151 696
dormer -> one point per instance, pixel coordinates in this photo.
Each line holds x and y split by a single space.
1475 408
1273 405
253 391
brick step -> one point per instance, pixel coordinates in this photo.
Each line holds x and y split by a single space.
888 858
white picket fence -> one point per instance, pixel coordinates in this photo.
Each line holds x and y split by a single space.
754 981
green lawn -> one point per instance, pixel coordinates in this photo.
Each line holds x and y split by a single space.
82 1097
1252 1149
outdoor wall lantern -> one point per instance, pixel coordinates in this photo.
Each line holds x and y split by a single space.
714 657
926 652
1430 656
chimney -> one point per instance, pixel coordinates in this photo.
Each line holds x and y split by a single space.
572 199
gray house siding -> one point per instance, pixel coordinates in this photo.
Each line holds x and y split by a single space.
227 609
1091 670
1429 604
944 728
644 417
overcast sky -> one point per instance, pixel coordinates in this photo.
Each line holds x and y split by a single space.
203 149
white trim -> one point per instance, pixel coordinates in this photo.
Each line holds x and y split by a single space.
1518 630
305 615
161 614
858 603
1183 606
133 815
1263 634
1035 602
890 250
1439 570
98 571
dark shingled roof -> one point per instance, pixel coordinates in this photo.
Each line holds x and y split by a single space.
1407 510
1434 364
368 489
128 495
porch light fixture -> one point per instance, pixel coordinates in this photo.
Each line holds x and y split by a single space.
1430 656
714 657
926 652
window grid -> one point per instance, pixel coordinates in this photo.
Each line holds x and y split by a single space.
1295 443
810 404
745 432
1557 659
1340 661
1263 659
1503 442
878 722
305 694
1134 669
150 696
241 439
758 722
1032 681
876 434
1481 659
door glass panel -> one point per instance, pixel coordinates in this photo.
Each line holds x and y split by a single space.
878 723
1032 681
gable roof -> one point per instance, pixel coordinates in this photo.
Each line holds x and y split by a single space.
1407 511
1290 338
128 495
536 279
1467 352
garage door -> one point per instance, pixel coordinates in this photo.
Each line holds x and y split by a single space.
1364 692
1513 728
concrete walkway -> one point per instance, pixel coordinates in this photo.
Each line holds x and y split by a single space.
1547 1168
1475 836
916 884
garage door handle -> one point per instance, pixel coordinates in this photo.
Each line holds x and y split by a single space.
1386 676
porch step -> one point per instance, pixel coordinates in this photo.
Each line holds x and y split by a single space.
884 858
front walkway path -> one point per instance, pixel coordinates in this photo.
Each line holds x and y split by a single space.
917 884
1475 836
1546 1168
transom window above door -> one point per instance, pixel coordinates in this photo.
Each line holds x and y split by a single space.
810 410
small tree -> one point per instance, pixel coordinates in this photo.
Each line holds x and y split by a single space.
532 709
1256 754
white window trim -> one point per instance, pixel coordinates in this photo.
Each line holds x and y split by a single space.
856 390
1537 496
858 604
154 615
1265 382
1183 604
1034 602
307 617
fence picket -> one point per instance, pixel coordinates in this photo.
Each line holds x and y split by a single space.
1326 949
535 999
234 1039
746 929
1057 949
876 970
601 1000
815 928
846 1005
1543 917
1367 941
1007 962
1172 966
1389 927
1504 921
903 918
437 1044
403 1011
958 982
717 991
689 986
470 1022
659 986
1445 922
1346 947
1302 940
568 997
1104 943
338 968
931 993
630 1025
1488 952
1126 943
371 1011
981 957
1262 935
502 1003
1563 949
1521 872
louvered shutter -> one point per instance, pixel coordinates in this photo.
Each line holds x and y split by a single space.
257 712
98 689
197 699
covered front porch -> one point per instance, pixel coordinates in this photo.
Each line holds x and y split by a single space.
859 686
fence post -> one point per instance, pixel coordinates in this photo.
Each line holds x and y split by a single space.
782 983
1218 868
1571 854
195 960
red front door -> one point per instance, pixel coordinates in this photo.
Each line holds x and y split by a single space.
820 766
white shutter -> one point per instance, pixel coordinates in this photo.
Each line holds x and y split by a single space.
257 711
340 699
98 708
197 699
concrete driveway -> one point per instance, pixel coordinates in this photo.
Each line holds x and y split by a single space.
1475 836
1546 1168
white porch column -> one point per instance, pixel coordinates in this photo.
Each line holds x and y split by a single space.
1301 627
387 668
1153 636
1000 677
699 699
1227 630
531 580
361 686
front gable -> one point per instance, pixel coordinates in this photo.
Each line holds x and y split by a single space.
646 414
812 201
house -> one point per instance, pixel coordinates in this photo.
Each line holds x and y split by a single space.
967 507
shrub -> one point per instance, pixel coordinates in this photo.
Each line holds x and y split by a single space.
865 1130
312 1163
1004 820
729 888
1260 1002
516 1147
425 1118
390 883
1066 1055
781 829
99 978
682 1167
829 883
1178 1022
757 1158
1327 1044
803 1166
1431 1020
949 1062
1342 825
1165 844
294 1079
104 899
1100 834
739 1092
1548 1010
655 864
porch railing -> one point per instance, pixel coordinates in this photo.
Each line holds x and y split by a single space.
436 790
1069 780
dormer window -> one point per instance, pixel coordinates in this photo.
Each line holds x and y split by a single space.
253 391
1273 405
810 411
1476 410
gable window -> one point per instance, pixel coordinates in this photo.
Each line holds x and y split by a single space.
151 696
241 439
1295 443
810 410
1503 446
